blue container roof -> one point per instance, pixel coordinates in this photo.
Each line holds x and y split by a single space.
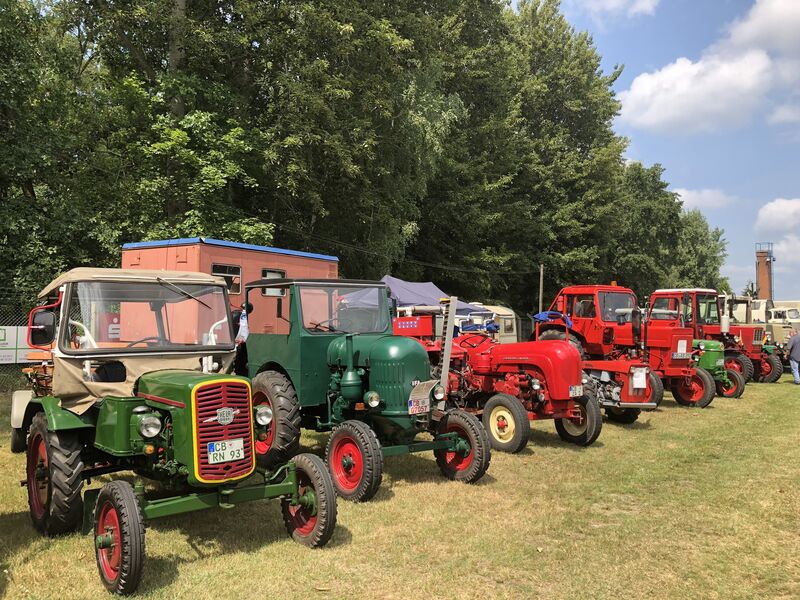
213 242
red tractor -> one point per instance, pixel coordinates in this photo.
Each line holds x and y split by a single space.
745 351
510 385
606 325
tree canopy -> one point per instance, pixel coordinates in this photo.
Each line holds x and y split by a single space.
459 141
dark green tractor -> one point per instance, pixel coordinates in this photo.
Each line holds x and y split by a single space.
322 356
134 381
710 355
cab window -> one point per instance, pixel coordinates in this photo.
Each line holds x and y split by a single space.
582 306
665 309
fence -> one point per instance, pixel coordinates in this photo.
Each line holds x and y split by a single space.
13 347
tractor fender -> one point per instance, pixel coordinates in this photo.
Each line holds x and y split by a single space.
59 419
19 407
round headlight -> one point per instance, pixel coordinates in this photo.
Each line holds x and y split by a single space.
150 426
264 415
373 399
438 392
701 345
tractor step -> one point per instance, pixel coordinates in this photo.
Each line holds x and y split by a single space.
633 405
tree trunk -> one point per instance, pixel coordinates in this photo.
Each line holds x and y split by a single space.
177 52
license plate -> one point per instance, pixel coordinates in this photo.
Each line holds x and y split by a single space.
225 451
681 356
640 379
720 362
575 391
418 406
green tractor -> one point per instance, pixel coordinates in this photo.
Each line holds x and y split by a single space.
710 355
321 356
135 381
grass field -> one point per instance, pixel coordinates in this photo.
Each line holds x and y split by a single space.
682 504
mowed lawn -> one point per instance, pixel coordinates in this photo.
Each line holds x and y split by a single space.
683 504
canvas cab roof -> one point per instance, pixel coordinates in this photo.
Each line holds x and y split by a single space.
123 275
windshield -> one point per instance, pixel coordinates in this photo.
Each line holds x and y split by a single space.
344 309
616 303
111 317
707 312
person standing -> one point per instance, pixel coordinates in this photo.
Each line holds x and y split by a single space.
793 349
242 333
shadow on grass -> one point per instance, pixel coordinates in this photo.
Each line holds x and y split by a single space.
411 468
635 426
17 533
544 439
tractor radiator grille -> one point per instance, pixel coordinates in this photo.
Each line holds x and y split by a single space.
758 337
209 398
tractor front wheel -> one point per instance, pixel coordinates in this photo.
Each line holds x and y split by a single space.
740 362
585 427
119 538
506 421
54 478
734 387
355 461
469 460
771 369
282 439
697 390
312 521
626 416
657 389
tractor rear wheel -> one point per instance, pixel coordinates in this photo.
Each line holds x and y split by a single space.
283 433
657 387
771 369
355 461
734 388
470 462
697 390
560 334
626 416
740 362
54 478
119 538
506 422
313 521
585 428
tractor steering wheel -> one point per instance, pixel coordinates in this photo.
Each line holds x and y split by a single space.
465 341
146 339
320 324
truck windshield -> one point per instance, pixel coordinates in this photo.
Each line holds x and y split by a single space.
707 311
344 309
110 317
613 304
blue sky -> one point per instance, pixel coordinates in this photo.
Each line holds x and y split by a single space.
711 90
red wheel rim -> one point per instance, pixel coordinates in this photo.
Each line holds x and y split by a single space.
693 392
453 459
732 363
262 447
766 368
347 463
303 522
38 488
109 558
730 390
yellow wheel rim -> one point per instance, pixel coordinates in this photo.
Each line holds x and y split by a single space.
502 424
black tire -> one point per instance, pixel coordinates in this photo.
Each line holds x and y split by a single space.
356 444
699 394
283 442
473 466
19 440
626 416
744 364
775 369
54 490
657 386
736 387
585 433
312 530
118 514
504 414
560 334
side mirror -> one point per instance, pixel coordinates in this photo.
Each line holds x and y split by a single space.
42 328
636 324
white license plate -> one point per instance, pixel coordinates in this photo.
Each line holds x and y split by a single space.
225 451
720 362
575 391
418 406
681 356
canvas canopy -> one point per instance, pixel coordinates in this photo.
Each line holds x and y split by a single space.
97 274
407 293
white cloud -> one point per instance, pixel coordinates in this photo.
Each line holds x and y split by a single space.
728 83
631 8
697 96
787 251
703 199
786 113
780 215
